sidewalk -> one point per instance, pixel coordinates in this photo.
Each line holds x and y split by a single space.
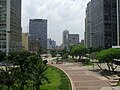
83 79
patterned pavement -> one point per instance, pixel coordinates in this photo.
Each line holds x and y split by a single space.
80 78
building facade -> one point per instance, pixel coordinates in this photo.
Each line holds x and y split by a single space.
38 32
73 39
25 41
101 24
34 45
10 25
51 44
65 39
88 27
69 39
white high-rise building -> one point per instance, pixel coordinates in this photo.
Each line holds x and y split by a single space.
10 25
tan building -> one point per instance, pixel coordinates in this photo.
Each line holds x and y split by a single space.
25 41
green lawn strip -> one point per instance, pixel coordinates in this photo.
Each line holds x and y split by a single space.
54 79
58 80
65 82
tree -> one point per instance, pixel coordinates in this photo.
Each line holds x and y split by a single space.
93 55
2 56
8 76
108 56
65 55
10 58
78 50
42 51
38 70
53 53
24 67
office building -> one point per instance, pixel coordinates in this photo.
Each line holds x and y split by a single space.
101 24
65 39
34 45
88 26
51 44
10 25
38 32
73 39
69 39
25 41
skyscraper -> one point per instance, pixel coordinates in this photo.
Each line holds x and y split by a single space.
51 44
10 25
88 29
65 39
38 32
101 23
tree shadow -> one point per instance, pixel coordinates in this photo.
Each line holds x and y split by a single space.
105 72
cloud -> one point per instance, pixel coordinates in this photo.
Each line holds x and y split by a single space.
61 15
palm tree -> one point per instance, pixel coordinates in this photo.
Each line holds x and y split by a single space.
38 70
24 68
8 76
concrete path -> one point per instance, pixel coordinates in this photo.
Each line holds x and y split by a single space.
82 78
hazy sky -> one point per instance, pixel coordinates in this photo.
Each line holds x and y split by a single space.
61 15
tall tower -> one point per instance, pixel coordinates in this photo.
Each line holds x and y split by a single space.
38 32
10 25
88 27
101 23
65 39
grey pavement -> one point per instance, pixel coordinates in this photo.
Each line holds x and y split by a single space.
84 79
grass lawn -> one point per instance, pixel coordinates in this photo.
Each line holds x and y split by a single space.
58 80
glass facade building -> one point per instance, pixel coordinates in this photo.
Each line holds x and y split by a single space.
38 32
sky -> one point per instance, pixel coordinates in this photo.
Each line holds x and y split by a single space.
61 15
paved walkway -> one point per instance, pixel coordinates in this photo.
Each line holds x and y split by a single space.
83 79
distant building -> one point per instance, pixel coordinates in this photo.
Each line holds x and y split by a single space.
25 41
59 47
69 39
73 39
10 26
34 45
82 42
101 23
51 44
65 39
38 32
